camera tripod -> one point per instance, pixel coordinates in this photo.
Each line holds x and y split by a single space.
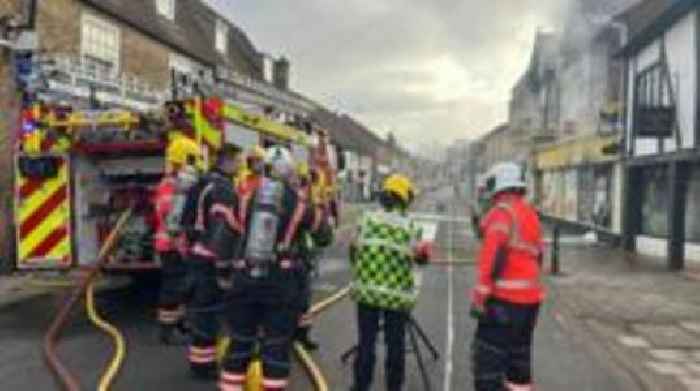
415 335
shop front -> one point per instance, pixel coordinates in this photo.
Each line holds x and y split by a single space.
578 184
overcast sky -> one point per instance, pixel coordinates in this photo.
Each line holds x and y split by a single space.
424 69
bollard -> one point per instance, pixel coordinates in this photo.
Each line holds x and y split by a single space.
555 251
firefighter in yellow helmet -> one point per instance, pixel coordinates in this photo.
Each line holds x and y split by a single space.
383 255
182 155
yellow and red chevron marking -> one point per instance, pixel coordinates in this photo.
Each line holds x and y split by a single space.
207 120
42 216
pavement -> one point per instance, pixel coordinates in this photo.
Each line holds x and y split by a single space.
568 355
646 317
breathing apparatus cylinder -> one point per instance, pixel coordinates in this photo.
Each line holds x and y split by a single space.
184 180
260 250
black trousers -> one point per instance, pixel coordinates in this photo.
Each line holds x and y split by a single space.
203 310
264 310
173 288
305 293
368 320
502 346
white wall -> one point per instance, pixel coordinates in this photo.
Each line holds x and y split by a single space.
657 248
682 58
617 197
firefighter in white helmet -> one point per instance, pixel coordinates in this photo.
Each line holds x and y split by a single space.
508 291
264 295
181 158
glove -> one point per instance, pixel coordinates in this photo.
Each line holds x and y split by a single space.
478 306
424 252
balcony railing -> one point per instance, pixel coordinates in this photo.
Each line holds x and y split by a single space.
71 77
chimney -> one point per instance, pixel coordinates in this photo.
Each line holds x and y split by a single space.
280 73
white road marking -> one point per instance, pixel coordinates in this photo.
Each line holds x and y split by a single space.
447 385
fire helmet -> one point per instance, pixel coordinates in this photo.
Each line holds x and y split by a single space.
280 162
399 185
505 176
182 151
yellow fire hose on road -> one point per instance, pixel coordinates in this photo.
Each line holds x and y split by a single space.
314 371
115 363
85 285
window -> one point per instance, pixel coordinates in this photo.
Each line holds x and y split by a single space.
655 202
100 42
654 114
221 36
166 8
182 64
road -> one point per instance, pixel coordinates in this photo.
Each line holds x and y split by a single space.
562 361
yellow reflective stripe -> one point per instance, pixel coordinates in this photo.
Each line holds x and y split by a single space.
39 197
62 249
57 218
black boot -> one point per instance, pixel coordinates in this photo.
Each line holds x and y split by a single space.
305 340
173 336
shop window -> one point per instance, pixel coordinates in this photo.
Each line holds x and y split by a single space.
594 198
655 202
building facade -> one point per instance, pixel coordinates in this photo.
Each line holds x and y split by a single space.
662 131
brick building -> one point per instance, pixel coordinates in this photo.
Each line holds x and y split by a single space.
128 50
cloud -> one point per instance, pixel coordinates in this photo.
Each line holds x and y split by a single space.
402 65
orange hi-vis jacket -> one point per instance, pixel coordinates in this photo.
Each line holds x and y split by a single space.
163 200
509 260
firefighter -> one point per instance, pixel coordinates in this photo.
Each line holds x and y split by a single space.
383 255
217 232
181 157
508 292
310 245
263 300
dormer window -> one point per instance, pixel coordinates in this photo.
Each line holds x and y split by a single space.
221 36
166 8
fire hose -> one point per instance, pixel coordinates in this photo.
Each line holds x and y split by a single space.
314 371
64 375
115 364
